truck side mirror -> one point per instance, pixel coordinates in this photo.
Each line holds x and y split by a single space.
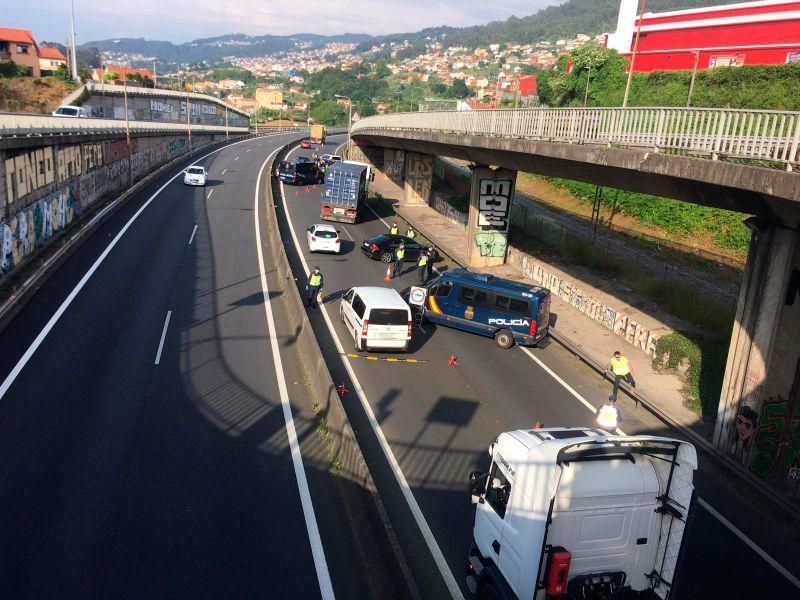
491 450
477 484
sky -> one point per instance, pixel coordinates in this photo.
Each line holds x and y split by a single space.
185 20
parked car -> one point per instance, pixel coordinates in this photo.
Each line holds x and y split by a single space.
306 144
280 166
299 173
381 247
377 318
65 110
195 176
323 238
329 159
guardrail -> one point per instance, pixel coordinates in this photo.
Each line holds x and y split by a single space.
757 136
17 125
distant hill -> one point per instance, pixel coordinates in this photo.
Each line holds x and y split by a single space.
214 49
562 21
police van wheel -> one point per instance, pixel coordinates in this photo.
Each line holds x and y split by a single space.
386 257
504 339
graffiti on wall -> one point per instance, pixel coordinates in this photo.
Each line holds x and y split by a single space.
491 243
494 203
32 227
394 162
419 177
632 332
176 145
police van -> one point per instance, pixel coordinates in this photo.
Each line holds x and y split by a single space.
509 311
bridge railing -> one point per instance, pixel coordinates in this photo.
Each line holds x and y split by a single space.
17 125
770 138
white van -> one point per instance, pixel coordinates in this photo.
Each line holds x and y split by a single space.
377 318
71 111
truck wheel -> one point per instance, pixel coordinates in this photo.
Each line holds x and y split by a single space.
386 257
504 339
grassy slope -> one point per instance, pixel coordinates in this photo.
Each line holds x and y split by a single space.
26 94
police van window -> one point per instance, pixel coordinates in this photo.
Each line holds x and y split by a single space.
359 306
442 289
498 491
473 297
511 305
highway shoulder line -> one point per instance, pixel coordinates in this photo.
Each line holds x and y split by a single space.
315 540
416 511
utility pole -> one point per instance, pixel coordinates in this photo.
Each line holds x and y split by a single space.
633 55
155 75
694 75
586 94
75 76
188 116
349 118
127 125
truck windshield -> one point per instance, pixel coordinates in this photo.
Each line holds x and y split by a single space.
388 316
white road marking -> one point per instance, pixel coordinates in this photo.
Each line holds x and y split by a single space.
223 172
318 552
210 193
248 150
711 510
164 334
191 237
12 376
235 159
427 534
347 233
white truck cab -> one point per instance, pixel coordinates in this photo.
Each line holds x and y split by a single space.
579 513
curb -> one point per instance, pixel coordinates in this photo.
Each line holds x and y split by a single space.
710 451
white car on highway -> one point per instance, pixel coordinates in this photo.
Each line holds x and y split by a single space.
323 238
195 176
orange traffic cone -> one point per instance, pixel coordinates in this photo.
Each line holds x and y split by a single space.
296 193
453 361
538 425
307 190
388 273
315 186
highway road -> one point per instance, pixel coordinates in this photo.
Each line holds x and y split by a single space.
436 421
152 431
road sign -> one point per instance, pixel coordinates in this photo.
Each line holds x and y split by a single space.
417 295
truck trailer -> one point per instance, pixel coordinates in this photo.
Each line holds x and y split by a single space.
317 135
575 513
345 192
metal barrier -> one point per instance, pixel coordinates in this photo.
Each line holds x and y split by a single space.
760 136
16 125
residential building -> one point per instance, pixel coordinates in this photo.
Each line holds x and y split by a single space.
50 59
269 98
18 46
123 73
766 32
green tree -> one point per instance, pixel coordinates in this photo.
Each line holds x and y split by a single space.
459 90
61 72
382 69
328 112
110 76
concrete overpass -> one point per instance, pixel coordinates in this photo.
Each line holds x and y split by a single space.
738 160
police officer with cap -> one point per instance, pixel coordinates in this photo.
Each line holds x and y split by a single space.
315 283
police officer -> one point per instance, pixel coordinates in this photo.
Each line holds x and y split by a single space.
422 266
410 233
399 257
395 230
315 283
431 258
621 368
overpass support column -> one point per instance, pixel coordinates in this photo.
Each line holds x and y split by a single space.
419 179
758 418
491 193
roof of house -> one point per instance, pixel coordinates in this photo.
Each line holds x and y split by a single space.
17 35
123 72
53 53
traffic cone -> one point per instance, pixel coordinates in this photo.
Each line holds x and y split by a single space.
296 193
342 389
307 190
388 273
315 186
538 425
452 362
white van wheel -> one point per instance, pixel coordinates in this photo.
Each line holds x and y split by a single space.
504 339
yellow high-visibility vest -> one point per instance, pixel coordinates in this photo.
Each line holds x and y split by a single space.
410 234
315 280
423 260
394 231
401 254
620 367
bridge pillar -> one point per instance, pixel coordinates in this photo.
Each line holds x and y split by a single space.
419 179
758 418
491 193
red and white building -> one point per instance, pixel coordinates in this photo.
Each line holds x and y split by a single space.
747 33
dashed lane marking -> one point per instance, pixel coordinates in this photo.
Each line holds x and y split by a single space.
191 237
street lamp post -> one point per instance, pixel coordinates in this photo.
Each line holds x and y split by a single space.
127 124
633 55
349 118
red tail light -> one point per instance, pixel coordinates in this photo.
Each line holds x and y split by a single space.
338 241
409 330
350 211
374 247
557 571
327 210
533 327
313 239
365 327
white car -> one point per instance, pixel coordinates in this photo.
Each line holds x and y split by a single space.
330 158
323 238
195 176
66 110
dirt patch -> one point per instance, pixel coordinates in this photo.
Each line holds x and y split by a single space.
32 95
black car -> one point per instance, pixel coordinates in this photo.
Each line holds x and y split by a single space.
381 247
299 173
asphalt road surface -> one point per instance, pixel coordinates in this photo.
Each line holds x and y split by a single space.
438 421
144 441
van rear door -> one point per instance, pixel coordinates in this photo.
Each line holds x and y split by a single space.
388 324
